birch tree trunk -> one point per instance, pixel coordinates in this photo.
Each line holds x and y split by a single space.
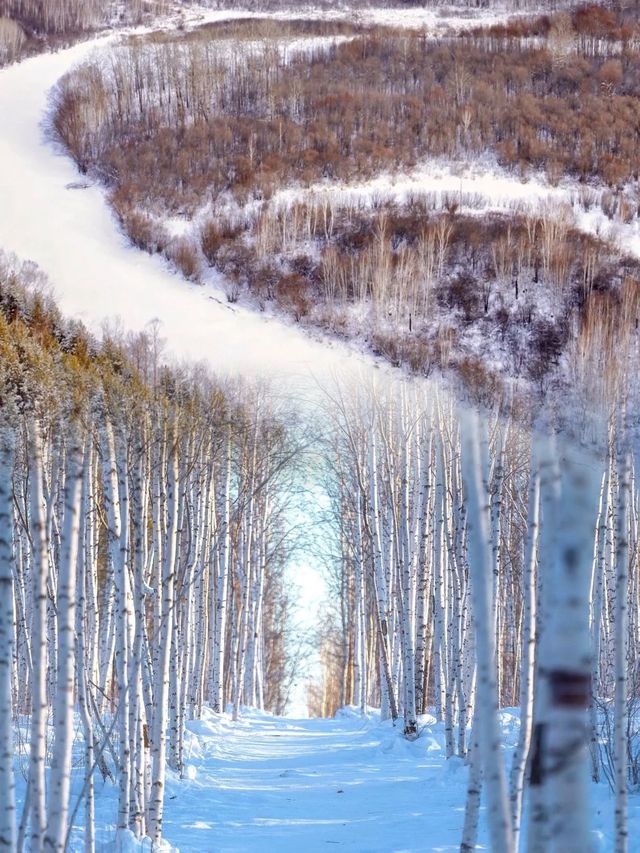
560 756
60 780
219 617
7 779
85 569
118 533
528 661
480 569
474 792
621 647
161 687
39 578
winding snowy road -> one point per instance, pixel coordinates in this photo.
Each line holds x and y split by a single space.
71 234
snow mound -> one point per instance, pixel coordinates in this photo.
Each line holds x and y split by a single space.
126 842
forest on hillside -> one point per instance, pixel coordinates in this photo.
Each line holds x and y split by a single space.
502 297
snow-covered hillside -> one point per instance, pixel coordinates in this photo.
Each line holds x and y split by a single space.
50 216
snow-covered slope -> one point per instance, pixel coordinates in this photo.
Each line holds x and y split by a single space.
70 233
49 215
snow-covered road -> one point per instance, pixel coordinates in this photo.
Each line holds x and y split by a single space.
279 785
274 785
71 234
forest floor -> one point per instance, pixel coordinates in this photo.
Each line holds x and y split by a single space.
280 785
268 784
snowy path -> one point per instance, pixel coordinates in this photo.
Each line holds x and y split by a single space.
281 785
274 785
71 234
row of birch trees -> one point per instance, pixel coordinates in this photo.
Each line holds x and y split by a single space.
63 17
143 539
482 565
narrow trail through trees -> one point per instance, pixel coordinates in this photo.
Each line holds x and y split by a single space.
281 784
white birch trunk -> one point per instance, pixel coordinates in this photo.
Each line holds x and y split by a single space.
39 575
621 664
480 568
528 660
60 778
161 687
562 730
7 631
83 618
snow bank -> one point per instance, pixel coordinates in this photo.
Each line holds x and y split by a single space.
126 842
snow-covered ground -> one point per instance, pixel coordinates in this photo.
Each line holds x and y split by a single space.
351 783
280 784
283 785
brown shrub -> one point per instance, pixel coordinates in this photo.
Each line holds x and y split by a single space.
143 231
184 254
388 346
462 292
12 39
483 386
292 295
210 241
214 236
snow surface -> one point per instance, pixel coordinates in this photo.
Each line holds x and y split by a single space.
284 785
444 19
351 783
269 784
